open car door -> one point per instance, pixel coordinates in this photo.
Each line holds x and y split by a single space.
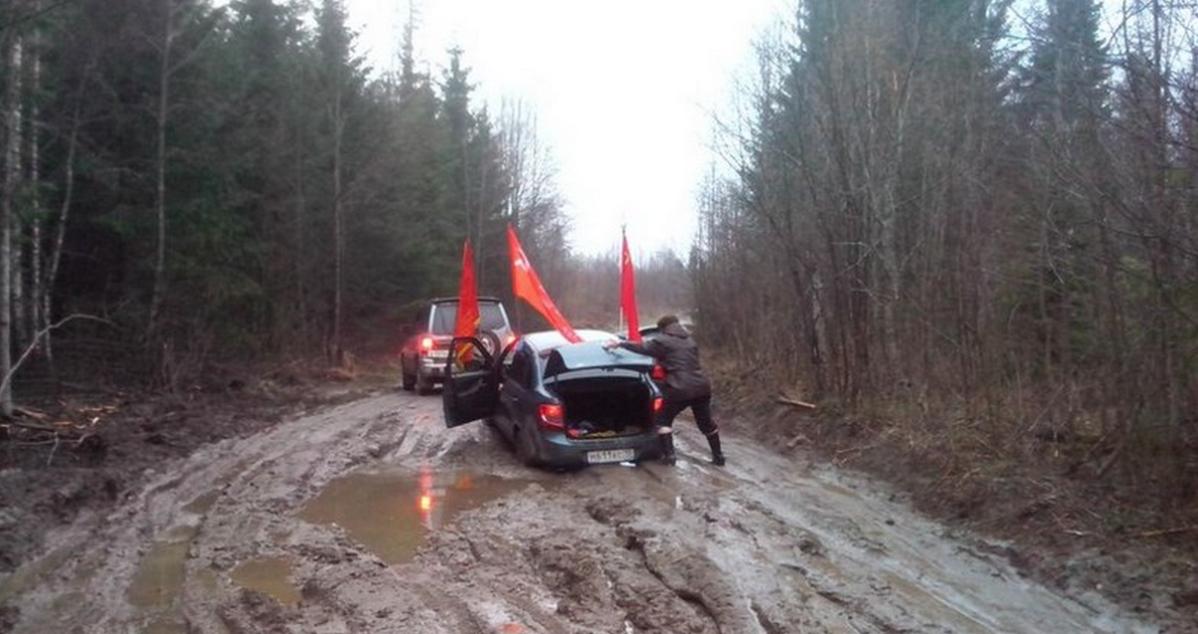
471 382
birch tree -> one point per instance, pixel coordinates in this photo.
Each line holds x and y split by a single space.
12 171
176 16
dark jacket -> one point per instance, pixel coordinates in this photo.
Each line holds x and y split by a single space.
678 353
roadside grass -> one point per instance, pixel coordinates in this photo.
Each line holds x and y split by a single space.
1078 508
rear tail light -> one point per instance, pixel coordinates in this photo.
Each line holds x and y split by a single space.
551 416
658 373
426 345
659 404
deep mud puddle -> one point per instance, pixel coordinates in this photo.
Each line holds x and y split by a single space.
392 512
270 576
159 578
161 571
157 585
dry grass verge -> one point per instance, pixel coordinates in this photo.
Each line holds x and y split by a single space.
1073 512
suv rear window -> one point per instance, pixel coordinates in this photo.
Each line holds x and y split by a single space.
444 315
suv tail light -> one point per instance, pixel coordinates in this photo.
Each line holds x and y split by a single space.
551 416
658 373
426 345
659 404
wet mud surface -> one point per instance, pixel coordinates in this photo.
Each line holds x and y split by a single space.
372 517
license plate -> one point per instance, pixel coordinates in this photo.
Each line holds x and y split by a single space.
611 455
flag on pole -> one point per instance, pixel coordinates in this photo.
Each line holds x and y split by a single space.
467 321
526 285
628 294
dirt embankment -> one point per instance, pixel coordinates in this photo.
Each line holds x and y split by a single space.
1071 530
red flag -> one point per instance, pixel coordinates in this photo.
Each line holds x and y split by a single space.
628 294
468 317
527 286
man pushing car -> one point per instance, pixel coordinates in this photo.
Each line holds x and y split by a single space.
686 385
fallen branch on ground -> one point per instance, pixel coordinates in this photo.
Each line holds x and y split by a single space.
33 426
843 455
64 429
31 413
786 400
856 449
1167 531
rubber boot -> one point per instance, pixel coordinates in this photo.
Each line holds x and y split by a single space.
717 455
667 448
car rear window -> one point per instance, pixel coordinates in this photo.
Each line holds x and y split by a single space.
444 316
591 355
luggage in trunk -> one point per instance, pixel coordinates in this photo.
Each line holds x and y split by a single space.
605 406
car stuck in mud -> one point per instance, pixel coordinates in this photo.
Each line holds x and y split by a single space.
559 404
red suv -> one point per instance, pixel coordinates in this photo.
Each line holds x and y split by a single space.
422 359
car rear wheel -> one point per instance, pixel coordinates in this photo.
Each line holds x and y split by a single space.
409 380
424 386
526 451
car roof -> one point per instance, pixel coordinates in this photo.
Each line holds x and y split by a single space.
587 353
547 340
454 300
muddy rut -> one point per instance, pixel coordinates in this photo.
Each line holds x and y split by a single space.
372 517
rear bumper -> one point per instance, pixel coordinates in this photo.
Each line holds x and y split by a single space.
559 450
432 369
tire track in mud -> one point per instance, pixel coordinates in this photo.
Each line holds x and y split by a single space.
679 567
620 518
766 545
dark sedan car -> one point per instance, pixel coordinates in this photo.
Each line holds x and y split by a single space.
560 404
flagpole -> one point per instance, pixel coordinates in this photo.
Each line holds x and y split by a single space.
620 260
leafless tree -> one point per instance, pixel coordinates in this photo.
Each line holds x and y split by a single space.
12 163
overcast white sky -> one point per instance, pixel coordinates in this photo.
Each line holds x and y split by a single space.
624 91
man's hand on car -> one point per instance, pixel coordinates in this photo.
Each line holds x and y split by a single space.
611 344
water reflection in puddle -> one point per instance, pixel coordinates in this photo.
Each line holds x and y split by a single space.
392 512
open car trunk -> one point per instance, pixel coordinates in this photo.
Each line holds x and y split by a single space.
606 406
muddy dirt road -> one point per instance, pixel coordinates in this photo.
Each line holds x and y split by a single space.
372 517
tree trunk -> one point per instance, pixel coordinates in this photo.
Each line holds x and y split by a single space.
17 269
12 162
301 292
18 219
164 73
36 319
55 254
338 228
